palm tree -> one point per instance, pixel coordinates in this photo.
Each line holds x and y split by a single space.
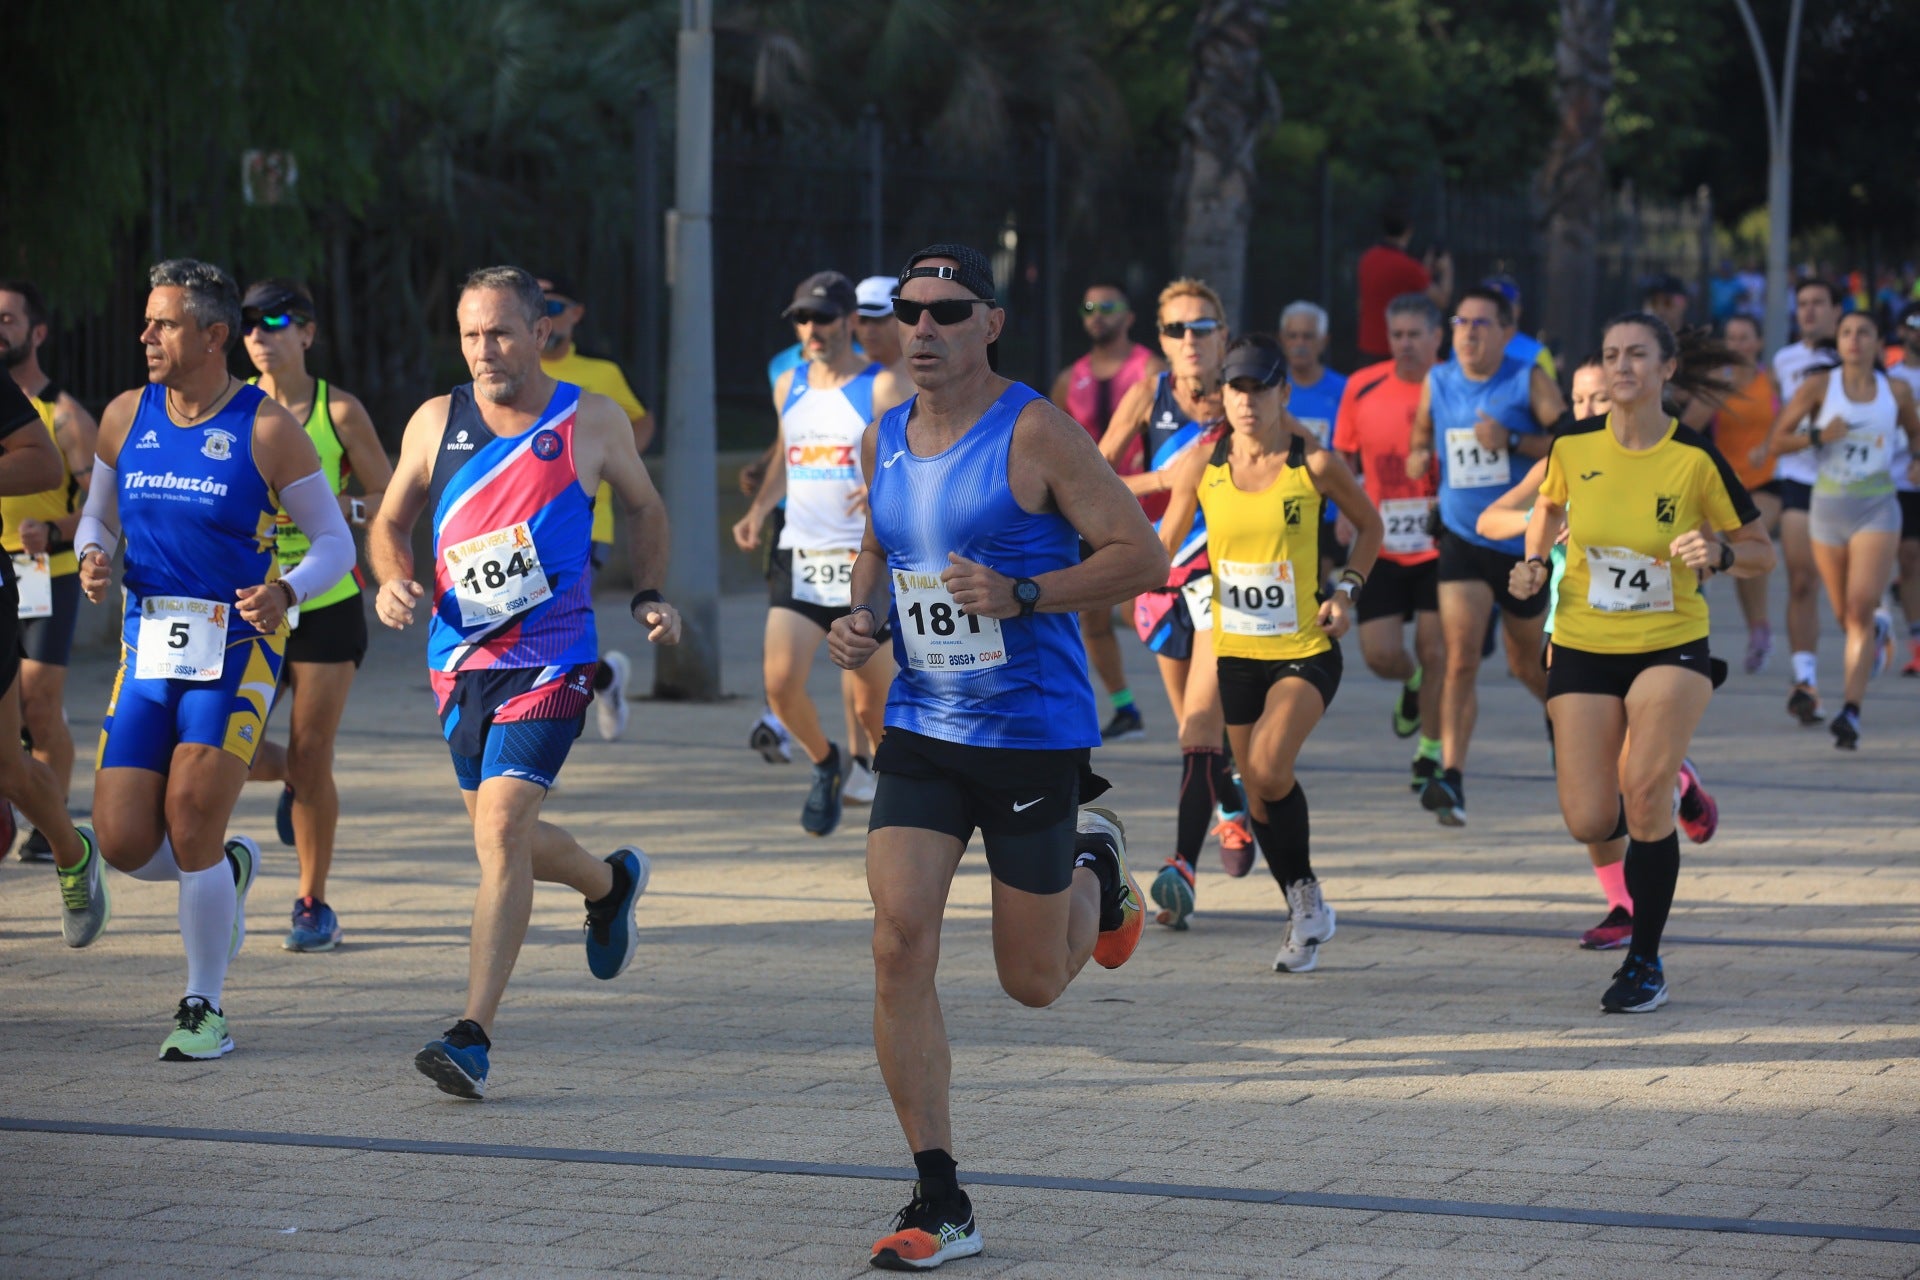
1231 104
1573 182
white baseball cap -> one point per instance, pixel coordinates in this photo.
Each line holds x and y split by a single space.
876 295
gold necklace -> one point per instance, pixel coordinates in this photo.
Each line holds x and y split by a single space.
206 412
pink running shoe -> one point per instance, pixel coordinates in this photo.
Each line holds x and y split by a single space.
1611 933
1699 815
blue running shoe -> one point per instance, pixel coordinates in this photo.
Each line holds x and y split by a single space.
283 817
315 927
457 1061
610 930
1445 797
821 813
1173 893
1639 986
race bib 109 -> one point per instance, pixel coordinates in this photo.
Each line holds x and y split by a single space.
1255 599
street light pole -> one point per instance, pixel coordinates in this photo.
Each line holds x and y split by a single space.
691 669
1779 107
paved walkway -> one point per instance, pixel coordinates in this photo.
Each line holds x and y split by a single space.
1441 1098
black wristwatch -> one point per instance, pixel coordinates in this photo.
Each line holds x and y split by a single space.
1027 592
1726 556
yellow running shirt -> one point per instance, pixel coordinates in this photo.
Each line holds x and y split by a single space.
1265 552
1622 591
49 505
590 373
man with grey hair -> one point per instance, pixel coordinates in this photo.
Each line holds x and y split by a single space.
192 472
1374 433
508 462
1313 398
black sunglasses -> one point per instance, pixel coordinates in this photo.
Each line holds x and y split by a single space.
811 317
271 321
1178 329
947 311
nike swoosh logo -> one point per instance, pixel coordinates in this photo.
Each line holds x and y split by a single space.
1686 657
895 458
1588 475
1021 808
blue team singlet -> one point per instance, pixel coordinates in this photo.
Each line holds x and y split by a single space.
512 532
1015 682
1471 477
1169 432
196 514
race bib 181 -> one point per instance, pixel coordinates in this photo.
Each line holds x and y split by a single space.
937 636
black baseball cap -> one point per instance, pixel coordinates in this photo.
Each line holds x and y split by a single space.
826 293
1664 285
972 272
1264 362
276 297
1910 314
559 284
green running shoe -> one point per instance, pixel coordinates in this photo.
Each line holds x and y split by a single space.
244 855
199 1033
84 904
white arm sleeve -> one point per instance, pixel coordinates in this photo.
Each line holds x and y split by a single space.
310 501
101 513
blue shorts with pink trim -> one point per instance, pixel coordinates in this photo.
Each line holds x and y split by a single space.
512 722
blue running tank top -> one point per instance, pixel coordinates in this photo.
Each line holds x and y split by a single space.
197 515
512 532
1039 697
1470 477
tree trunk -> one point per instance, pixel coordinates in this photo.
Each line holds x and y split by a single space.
1231 104
1573 183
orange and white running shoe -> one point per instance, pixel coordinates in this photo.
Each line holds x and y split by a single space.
1236 841
1121 912
927 1233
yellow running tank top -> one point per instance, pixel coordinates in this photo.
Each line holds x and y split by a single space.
50 504
1265 552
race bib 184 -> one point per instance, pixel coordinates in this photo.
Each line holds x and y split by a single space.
937 636
496 575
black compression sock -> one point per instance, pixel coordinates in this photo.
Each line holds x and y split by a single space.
1284 836
939 1174
1653 872
1225 791
1196 801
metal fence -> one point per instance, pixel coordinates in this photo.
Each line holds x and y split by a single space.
856 200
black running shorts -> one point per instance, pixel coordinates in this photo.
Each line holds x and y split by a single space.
1463 561
1395 590
50 639
1794 496
1611 674
332 633
780 596
1025 804
9 633
1909 516
1244 681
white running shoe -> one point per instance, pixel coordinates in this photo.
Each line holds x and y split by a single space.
1296 956
1882 641
860 783
610 705
769 738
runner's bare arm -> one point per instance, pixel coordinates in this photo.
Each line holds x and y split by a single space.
1787 437
1128 417
366 456
29 463
77 432
1335 480
1183 500
1061 385
1506 516
98 533
390 532
1549 406
290 465
1420 439
850 639
1053 464
607 431
891 388
1907 415
773 487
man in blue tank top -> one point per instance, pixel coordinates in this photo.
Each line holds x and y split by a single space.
980 492
1484 415
192 471
510 462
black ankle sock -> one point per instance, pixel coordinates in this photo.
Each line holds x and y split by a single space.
1283 838
1653 871
621 880
939 1175
1851 709
466 1033
1196 800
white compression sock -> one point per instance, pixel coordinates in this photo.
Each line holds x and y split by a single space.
1803 669
161 866
207 905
